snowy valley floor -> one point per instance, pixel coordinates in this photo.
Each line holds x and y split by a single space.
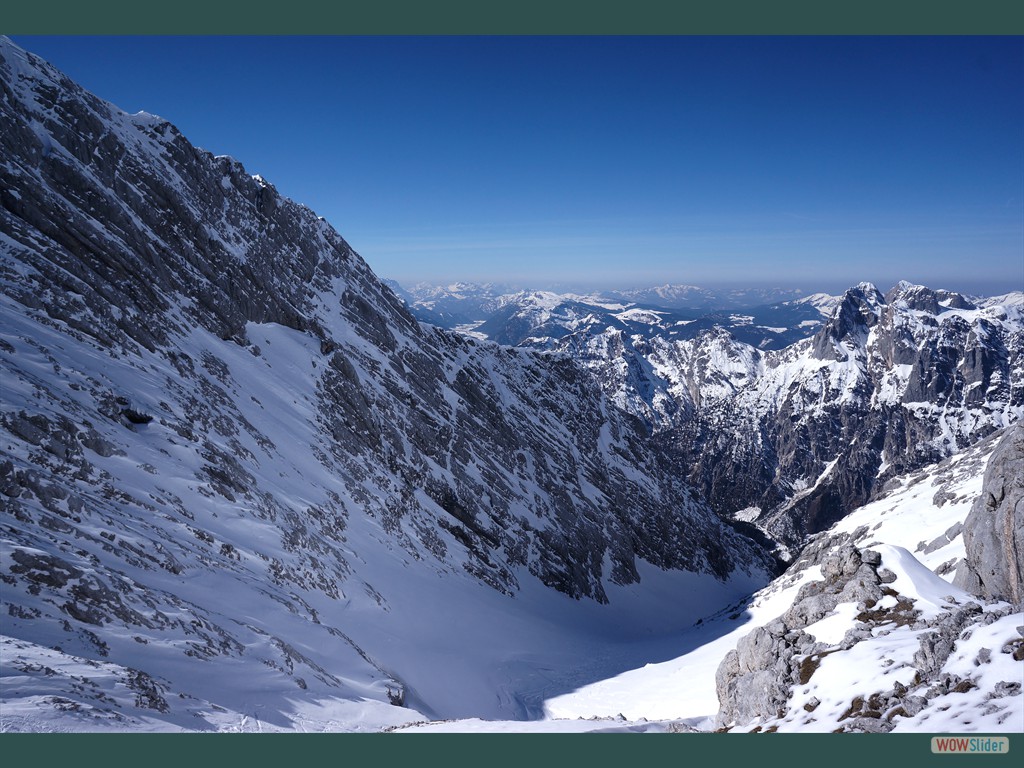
916 530
523 671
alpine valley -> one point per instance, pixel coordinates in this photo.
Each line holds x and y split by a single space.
788 414
246 485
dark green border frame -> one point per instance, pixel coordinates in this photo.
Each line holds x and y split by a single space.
486 750
486 17
491 17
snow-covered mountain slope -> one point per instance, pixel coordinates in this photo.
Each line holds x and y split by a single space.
240 485
791 415
915 658
794 438
890 384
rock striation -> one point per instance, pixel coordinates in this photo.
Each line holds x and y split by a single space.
203 384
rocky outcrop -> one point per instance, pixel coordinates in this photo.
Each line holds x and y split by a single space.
754 680
768 682
994 530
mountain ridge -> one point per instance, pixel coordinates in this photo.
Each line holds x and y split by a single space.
226 444
794 434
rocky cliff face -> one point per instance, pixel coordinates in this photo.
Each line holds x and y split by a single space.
201 377
890 385
796 438
994 530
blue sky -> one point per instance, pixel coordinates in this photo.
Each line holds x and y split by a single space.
617 161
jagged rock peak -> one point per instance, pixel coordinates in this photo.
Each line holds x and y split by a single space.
855 315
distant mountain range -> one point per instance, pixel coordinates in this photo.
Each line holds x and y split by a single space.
462 296
787 415
767 318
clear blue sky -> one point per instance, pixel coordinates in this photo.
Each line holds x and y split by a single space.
814 161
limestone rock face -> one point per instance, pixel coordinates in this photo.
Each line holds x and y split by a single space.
771 680
994 530
754 680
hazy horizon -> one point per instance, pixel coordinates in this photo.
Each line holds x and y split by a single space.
978 289
818 162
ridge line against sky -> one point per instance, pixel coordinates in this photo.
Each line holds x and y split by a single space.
613 162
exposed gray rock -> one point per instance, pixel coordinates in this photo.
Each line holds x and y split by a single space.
994 530
755 680
808 433
938 644
940 541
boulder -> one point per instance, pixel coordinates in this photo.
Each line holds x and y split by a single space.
993 532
